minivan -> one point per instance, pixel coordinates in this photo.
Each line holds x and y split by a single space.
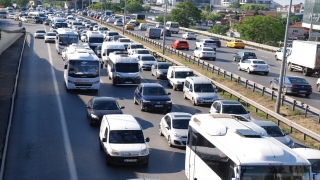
153 33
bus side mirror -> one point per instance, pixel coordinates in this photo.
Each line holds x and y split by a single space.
65 66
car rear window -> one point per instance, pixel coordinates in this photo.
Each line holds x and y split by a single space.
258 62
183 42
297 80
40 31
209 41
249 54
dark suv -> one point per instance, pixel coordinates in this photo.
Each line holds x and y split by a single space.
34 20
217 41
242 55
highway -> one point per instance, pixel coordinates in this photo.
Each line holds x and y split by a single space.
51 137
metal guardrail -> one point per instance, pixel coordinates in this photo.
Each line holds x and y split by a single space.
248 84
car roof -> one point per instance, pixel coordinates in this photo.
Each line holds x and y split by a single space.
294 77
264 123
150 85
229 102
199 80
256 60
122 122
180 115
141 55
104 98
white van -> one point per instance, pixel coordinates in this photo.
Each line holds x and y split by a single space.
176 76
313 156
121 138
143 26
173 26
199 90
107 48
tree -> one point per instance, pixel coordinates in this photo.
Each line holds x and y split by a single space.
161 17
207 7
250 7
186 13
218 29
21 3
235 5
214 17
6 3
134 7
261 29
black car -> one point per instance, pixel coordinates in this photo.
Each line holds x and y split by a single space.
242 55
34 20
217 41
293 85
152 96
97 107
97 50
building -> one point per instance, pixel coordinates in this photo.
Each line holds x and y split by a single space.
248 14
295 8
260 2
296 30
311 13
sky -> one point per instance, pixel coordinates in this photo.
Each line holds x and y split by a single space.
287 2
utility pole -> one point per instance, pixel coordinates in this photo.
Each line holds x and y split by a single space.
310 29
164 27
124 16
283 64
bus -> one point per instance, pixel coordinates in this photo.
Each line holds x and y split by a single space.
173 27
140 18
82 70
231 147
65 37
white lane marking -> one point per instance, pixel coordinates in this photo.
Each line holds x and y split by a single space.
68 150
264 56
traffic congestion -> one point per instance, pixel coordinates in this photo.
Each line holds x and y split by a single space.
114 104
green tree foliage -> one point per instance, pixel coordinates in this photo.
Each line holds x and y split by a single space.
161 17
249 7
261 29
218 29
6 3
207 8
22 3
235 5
146 8
134 7
185 12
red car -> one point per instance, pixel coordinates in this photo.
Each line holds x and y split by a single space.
180 44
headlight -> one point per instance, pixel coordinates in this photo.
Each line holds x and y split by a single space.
114 152
169 102
93 116
137 75
144 152
177 135
144 101
118 75
159 72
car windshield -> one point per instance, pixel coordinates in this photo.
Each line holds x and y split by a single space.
274 131
143 52
124 40
154 91
180 124
113 33
183 74
295 80
51 34
137 46
148 58
106 105
249 54
203 88
40 31
233 109
127 67
164 66
95 40
126 136
68 39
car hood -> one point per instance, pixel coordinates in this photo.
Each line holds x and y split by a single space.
284 140
207 95
178 80
100 113
129 148
147 62
181 132
164 71
157 98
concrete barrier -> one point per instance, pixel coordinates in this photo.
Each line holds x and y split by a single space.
7 39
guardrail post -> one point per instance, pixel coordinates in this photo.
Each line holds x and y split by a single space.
294 105
222 91
319 118
272 95
282 100
246 83
208 66
224 74
304 137
212 69
263 89
291 129
230 96
198 62
238 80
238 99
278 122
257 110
231 77
254 87
267 115
306 110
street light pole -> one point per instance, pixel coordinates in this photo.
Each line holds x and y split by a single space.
283 64
124 16
164 33
101 12
310 29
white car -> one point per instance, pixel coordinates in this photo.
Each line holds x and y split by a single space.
254 65
11 16
23 19
124 41
95 28
118 23
189 35
174 127
110 20
137 52
205 52
229 107
146 61
159 25
83 36
206 43
50 37
39 33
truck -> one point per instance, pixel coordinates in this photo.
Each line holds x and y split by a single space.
3 13
304 56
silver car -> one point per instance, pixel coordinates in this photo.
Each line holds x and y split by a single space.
229 107
274 131
160 69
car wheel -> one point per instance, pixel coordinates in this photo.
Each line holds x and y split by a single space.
168 110
160 132
134 100
187 49
174 87
157 76
234 59
290 67
101 148
307 95
169 141
91 122
276 57
266 73
141 106
45 41
107 161
248 71
318 88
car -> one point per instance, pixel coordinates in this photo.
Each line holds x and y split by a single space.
47 22
11 16
95 28
97 50
87 24
180 44
129 26
152 96
229 107
160 69
206 43
124 41
115 38
24 18
205 52
83 36
50 37
236 43
276 132
39 33
254 65
146 61
118 23
137 52
174 127
189 35
132 46
242 55
318 84
217 41
168 32
293 85
92 25
97 107
159 25
110 20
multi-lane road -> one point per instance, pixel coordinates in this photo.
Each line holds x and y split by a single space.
51 137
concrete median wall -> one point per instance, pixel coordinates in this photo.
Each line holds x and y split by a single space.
7 39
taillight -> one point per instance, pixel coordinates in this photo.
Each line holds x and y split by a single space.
309 87
293 86
203 52
254 66
268 66
204 44
242 57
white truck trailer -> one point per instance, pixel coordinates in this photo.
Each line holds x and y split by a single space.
305 57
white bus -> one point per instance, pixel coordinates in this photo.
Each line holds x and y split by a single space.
82 70
230 147
173 27
65 37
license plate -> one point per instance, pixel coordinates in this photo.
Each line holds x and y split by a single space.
208 53
130 160
158 105
303 91
79 80
250 57
182 46
127 82
208 101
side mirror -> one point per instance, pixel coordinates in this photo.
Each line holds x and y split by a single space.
104 54
190 90
169 93
122 107
104 140
147 139
65 66
286 133
112 69
168 127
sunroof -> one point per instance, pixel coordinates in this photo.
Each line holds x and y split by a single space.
248 133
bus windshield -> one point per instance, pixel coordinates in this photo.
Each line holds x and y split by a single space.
275 172
141 17
127 67
67 39
84 69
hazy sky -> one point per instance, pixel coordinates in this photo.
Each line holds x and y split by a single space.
287 2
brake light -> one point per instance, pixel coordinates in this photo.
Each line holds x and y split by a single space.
242 57
203 52
309 87
204 44
293 86
268 66
254 66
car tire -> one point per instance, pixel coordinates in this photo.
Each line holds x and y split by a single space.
45 41
174 87
169 141
107 161
318 87
91 123
134 100
266 73
289 67
168 110
213 59
234 59
276 57
187 49
160 132
157 77
248 71
141 106
307 95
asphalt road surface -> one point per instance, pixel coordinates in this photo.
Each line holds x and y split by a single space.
51 137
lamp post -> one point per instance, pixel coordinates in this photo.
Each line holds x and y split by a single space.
283 64
124 16
164 27
310 29
101 12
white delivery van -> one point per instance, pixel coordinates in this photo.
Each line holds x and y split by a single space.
173 26
176 76
107 48
143 26
121 138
